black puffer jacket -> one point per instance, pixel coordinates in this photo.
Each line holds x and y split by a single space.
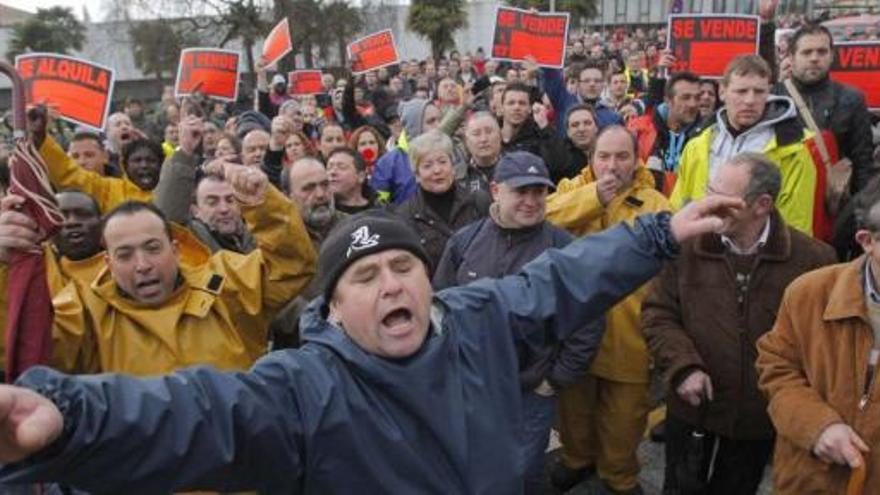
433 231
841 109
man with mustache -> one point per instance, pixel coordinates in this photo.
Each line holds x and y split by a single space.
308 186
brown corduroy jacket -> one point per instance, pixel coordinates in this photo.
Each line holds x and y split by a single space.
812 366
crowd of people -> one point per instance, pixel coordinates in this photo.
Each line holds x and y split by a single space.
454 257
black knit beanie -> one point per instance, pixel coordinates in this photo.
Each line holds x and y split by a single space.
361 235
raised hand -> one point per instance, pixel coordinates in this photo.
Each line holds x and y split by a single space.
249 184
29 422
17 230
706 215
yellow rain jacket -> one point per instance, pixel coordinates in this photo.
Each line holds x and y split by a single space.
59 272
797 197
65 173
219 315
575 207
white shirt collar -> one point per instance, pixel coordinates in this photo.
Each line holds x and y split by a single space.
765 234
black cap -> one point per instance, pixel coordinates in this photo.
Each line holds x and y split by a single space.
361 235
521 168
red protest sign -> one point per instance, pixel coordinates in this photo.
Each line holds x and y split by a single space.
521 33
211 71
304 82
857 63
80 90
278 43
705 44
373 52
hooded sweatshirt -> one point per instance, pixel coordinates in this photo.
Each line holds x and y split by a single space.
726 144
393 178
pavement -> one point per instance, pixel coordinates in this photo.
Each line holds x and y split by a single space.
651 456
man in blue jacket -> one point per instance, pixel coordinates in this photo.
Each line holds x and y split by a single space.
515 233
396 390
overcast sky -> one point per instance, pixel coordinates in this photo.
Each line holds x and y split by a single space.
94 6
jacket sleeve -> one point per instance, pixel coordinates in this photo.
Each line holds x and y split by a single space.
283 264
447 268
797 410
581 281
264 104
576 210
64 173
661 319
382 180
177 182
554 86
196 429
767 47
452 120
273 166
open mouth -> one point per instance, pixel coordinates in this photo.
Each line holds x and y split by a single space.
147 286
397 318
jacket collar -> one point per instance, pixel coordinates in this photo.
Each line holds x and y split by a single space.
777 247
847 296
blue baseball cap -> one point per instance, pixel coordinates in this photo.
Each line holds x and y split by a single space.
521 168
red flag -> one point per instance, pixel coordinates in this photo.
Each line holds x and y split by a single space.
278 43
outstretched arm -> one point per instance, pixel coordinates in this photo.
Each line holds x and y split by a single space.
567 288
196 429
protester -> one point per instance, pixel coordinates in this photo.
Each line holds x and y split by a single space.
833 105
141 158
88 152
347 172
393 178
253 147
753 120
665 130
580 140
371 354
591 80
602 417
513 234
69 256
440 206
482 137
228 148
309 188
702 319
222 303
825 330
369 143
